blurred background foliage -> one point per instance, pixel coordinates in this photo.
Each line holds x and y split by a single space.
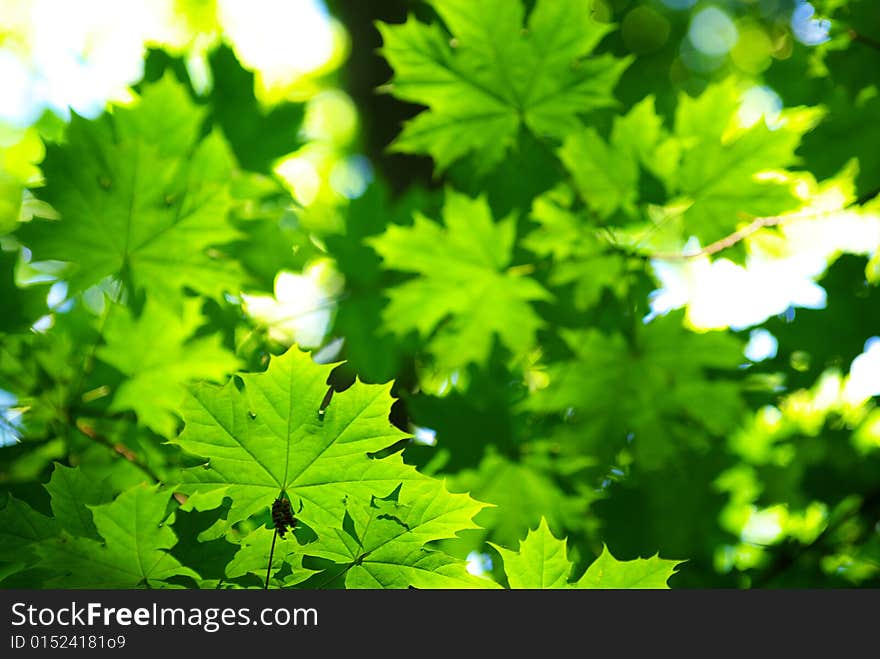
737 429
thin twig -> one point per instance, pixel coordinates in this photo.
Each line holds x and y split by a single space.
737 236
861 38
724 243
654 228
118 448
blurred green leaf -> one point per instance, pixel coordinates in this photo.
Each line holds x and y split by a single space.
465 290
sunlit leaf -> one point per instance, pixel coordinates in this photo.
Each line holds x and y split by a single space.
382 544
496 75
465 293
134 552
170 357
541 562
141 198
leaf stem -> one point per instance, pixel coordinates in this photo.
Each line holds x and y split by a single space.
271 554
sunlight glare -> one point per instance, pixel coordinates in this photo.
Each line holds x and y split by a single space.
282 40
303 306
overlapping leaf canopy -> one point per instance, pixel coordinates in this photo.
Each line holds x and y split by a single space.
532 340
274 438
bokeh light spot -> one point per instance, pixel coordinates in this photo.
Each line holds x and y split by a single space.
712 32
753 50
762 345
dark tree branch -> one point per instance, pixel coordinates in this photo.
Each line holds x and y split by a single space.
858 37
785 561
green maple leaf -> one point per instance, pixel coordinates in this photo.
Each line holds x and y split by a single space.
91 541
21 529
381 544
497 74
465 293
142 196
722 162
613 393
136 534
642 573
530 483
541 562
72 492
578 255
717 170
272 436
168 357
606 174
